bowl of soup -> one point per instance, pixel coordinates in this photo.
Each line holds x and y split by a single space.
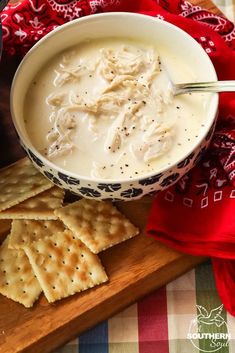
94 109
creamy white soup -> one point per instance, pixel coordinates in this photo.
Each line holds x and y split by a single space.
105 109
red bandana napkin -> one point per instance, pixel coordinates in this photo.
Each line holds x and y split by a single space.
196 215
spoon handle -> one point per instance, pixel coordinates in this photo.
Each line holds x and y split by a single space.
217 86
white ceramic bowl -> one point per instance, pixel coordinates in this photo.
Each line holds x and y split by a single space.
129 25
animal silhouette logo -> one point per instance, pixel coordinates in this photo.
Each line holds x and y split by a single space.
208 331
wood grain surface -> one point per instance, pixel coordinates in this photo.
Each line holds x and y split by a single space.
135 268
208 5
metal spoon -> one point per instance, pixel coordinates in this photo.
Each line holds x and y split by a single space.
217 86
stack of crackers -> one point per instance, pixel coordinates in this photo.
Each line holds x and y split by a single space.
52 248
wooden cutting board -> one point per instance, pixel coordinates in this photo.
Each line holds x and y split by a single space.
135 268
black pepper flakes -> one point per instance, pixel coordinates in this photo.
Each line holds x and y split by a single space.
177 107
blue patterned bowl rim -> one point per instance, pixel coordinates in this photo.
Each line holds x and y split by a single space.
124 15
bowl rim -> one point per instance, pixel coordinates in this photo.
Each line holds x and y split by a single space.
88 18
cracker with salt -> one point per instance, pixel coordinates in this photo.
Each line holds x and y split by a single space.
41 206
19 182
99 225
64 266
17 280
24 231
